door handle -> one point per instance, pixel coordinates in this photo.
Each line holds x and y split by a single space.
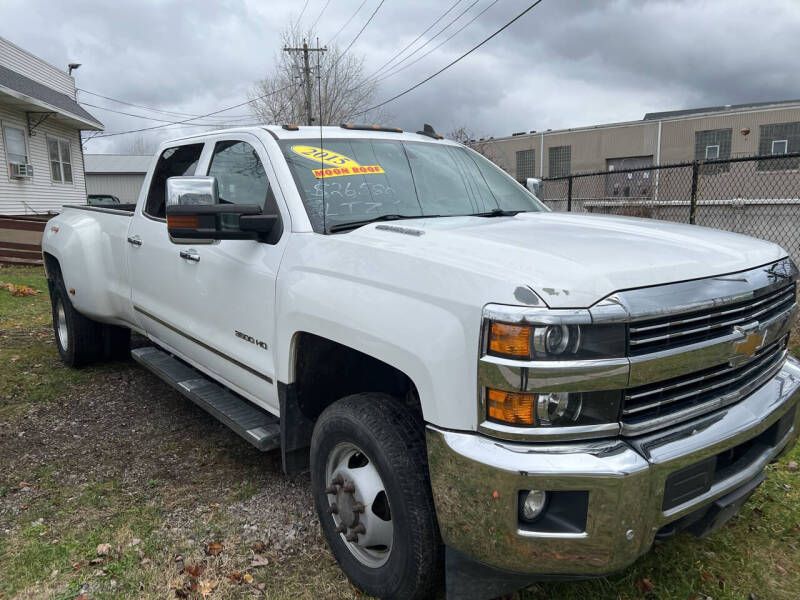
134 240
190 255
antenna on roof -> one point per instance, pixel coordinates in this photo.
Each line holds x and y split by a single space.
430 132
322 153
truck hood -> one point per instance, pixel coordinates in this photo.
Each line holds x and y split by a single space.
572 260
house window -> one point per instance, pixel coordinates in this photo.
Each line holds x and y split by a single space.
526 165
780 146
16 150
779 138
560 158
60 160
713 144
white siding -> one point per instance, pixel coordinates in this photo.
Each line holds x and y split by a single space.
124 186
17 59
40 194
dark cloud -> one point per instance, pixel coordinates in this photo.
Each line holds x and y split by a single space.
566 63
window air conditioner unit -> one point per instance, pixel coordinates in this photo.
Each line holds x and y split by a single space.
21 171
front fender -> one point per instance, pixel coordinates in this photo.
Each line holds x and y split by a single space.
422 318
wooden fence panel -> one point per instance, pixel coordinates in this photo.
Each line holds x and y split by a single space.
21 240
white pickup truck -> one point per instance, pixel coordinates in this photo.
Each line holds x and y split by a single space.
482 389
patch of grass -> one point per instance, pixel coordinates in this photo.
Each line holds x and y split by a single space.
24 311
67 539
29 361
245 490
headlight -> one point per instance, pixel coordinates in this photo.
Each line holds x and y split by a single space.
558 341
555 409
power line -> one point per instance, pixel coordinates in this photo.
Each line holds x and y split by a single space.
302 12
395 71
358 35
319 16
460 58
120 112
416 39
158 110
335 35
216 112
437 34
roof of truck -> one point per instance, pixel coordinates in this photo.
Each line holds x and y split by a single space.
314 132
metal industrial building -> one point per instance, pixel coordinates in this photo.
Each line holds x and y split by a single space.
120 175
659 138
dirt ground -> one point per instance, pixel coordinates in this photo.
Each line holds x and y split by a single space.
114 486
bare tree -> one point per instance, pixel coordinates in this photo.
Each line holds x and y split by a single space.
138 145
338 79
481 145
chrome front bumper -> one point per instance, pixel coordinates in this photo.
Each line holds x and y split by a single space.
476 483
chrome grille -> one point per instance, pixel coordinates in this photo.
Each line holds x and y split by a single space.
653 335
708 389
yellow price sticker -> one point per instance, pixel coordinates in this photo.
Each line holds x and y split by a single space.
334 164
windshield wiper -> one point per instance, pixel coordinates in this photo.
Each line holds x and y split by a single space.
355 224
498 212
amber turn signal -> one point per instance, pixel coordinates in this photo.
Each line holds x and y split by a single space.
510 340
183 221
513 408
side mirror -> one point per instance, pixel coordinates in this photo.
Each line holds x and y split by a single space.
194 213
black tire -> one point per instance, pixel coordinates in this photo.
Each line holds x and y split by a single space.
391 434
78 338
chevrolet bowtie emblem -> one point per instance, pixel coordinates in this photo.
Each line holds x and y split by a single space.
747 347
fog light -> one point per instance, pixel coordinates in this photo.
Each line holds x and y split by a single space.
533 504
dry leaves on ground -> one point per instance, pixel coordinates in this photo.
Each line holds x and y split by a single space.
214 548
18 290
644 585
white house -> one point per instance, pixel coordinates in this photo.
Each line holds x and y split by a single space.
120 175
41 161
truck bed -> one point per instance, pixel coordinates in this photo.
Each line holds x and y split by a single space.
116 209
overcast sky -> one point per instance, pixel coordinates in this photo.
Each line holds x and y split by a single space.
566 63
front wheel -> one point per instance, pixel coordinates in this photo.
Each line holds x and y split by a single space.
371 489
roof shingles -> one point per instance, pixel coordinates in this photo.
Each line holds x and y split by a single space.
24 85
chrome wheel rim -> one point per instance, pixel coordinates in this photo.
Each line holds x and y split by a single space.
359 505
61 325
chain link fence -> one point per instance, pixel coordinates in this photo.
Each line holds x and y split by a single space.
757 196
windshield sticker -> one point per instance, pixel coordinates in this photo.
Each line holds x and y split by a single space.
334 164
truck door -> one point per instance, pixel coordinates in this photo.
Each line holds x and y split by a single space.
153 260
227 288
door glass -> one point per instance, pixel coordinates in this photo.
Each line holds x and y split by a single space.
240 174
173 162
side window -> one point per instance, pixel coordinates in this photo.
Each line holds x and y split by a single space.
240 174
173 162
242 180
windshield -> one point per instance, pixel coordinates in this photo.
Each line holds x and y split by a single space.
365 179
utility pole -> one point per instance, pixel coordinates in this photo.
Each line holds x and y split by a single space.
307 76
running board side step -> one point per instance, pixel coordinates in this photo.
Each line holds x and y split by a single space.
252 423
